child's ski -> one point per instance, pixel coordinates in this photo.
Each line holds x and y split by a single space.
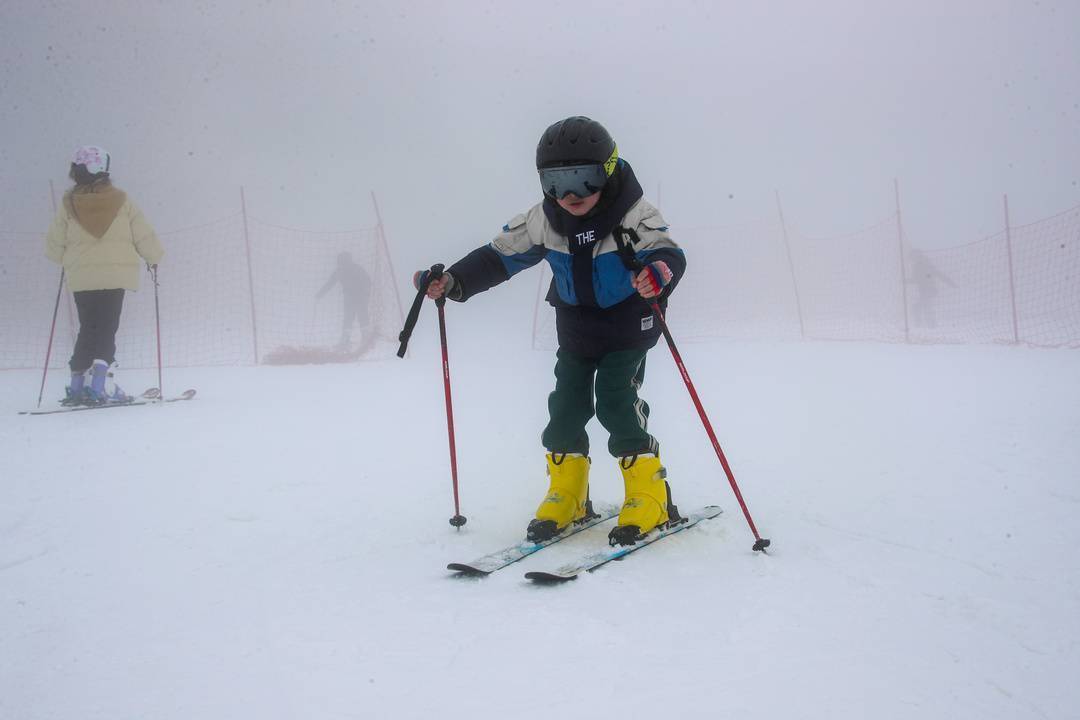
152 396
507 556
186 395
594 559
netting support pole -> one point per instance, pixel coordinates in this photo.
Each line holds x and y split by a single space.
903 263
251 277
791 265
1012 282
389 258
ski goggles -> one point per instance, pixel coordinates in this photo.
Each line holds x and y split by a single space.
579 180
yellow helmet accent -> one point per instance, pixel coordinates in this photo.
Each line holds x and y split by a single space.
612 161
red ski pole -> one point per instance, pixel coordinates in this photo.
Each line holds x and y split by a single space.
422 280
760 542
52 331
627 237
157 322
458 520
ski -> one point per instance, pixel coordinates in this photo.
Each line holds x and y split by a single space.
594 559
510 555
151 396
186 395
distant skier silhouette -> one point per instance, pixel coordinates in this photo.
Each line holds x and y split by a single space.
355 295
926 277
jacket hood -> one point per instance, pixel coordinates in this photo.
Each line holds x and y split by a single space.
95 209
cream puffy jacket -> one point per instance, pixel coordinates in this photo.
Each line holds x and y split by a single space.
99 238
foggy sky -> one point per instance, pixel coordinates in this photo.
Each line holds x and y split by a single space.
437 107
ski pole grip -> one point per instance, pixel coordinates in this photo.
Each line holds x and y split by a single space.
625 239
434 273
429 276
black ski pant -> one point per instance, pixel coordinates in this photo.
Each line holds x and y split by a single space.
614 379
99 319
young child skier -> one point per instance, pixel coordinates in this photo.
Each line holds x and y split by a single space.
604 326
98 236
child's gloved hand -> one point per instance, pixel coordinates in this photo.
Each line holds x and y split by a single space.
437 288
652 279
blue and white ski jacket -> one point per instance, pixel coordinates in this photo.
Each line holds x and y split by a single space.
607 315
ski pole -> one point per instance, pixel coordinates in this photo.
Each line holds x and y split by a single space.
157 322
52 331
458 520
629 236
422 281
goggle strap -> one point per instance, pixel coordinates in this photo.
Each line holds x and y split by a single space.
612 161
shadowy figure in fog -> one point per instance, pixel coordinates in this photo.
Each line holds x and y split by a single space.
926 278
355 295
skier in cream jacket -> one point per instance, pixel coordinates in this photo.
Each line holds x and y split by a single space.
102 240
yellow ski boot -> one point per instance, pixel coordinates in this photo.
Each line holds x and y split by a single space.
567 500
648 499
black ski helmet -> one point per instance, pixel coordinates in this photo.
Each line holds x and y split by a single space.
575 140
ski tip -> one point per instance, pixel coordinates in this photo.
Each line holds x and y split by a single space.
548 578
186 395
464 569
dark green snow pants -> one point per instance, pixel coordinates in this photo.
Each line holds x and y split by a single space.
615 378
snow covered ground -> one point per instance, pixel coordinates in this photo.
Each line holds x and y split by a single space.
276 548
